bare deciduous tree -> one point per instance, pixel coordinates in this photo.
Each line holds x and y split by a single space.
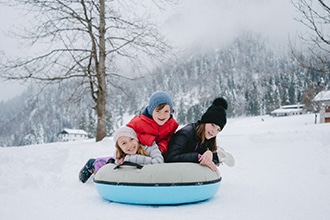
315 15
80 41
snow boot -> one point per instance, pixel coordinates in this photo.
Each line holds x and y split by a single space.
225 157
87 170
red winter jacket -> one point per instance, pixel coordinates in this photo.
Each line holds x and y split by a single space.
148 131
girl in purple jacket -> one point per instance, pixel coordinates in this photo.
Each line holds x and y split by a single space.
128 148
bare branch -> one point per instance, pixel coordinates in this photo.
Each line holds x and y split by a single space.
317 19
80 41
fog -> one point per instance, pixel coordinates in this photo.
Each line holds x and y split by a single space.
193 23
208 22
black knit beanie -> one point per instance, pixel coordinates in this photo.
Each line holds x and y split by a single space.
216 113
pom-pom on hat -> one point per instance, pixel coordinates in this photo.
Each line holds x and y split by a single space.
158 98
216 113
124 131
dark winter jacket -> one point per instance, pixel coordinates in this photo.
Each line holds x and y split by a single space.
148 131
184 146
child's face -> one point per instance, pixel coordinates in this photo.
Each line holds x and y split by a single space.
161 116
128 145
211 130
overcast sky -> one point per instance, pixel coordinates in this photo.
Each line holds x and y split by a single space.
211 21
195 22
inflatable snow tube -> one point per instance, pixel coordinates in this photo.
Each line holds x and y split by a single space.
157 184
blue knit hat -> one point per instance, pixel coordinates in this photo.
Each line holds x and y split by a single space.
158 98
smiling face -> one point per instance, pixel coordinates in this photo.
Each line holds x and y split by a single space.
161 115
211 130
128 145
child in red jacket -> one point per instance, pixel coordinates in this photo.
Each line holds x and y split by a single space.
156 123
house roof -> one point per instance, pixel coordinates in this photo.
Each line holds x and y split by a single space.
73 131
322 96
297 106
289 108
286 110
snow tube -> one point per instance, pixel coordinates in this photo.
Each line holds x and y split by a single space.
157 184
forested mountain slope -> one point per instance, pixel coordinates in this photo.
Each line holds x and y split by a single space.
253 75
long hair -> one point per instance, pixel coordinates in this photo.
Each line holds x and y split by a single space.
200 133
120 153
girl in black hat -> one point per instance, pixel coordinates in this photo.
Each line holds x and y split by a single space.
196 142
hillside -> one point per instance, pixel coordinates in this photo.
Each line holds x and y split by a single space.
251 73
282 171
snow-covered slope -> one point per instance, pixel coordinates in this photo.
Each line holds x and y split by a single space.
282 172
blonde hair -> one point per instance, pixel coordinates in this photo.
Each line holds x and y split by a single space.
200 133
120 153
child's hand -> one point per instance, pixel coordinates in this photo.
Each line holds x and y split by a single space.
206 160
206 157
121 160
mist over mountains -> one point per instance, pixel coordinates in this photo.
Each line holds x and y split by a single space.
254 76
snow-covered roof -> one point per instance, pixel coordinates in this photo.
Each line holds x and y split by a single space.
289 108
297 106
286 110
73 131
322 96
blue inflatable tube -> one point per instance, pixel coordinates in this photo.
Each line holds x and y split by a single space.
158 184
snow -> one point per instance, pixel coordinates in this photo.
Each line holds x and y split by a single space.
73 131
322 96
282 171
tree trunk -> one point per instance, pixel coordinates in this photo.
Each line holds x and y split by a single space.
68 59
101 116
101 129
